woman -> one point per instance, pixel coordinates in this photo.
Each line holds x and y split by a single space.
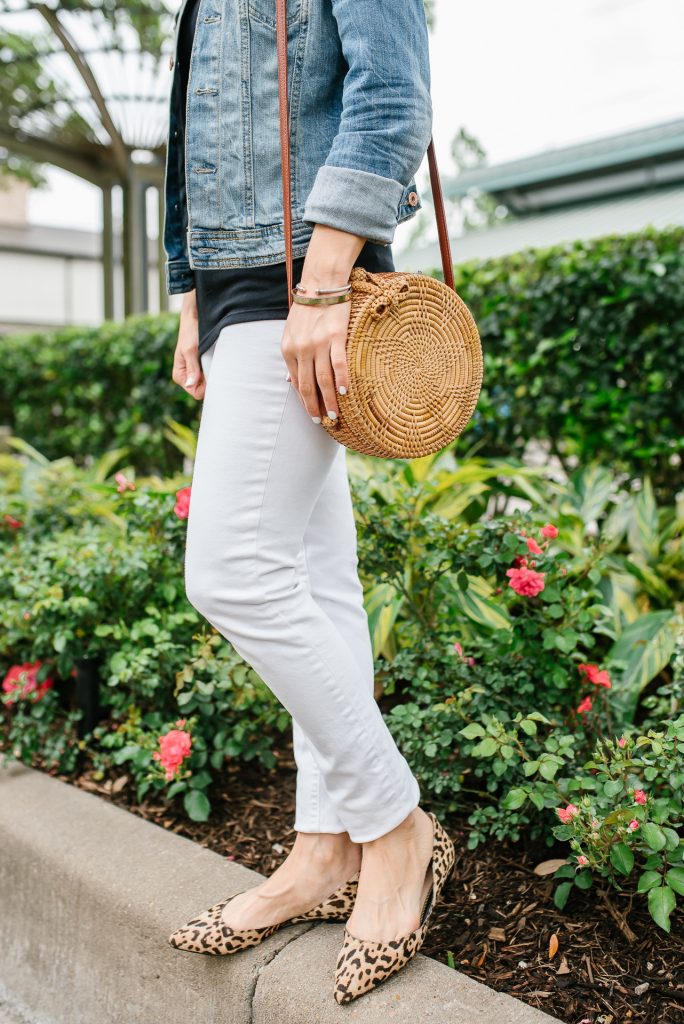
271 556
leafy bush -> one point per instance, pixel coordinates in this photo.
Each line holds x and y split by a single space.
581 344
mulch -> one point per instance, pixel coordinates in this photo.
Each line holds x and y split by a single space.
600 961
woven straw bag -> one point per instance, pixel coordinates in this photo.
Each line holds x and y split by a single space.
413 349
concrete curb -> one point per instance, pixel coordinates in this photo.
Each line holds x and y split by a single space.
89 894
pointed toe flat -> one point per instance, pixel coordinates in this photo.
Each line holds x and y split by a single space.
364 964
207 933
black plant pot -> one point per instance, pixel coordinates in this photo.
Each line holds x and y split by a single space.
87 694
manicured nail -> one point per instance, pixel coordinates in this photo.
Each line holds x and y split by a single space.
189 382
332 415
316 419
342 390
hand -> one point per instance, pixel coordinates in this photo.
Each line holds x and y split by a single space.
187 369
314 342
314 346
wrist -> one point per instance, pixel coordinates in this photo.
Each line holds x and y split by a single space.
330 256
189 306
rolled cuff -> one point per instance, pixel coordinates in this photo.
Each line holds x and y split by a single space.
356 201
179 277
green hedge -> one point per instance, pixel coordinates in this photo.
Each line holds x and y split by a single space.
82 391
582 348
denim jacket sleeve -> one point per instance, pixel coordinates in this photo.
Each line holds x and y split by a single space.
386 119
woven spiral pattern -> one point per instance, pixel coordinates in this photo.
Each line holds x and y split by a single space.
415 366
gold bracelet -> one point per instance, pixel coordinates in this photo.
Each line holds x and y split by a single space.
327 300
323 291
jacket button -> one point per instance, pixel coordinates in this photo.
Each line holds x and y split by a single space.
412 198
170 63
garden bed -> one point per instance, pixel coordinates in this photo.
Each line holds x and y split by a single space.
497 922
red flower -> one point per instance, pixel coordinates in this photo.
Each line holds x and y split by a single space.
585 705
640 796
533 547
621 742
13 523
182 506
526 582
458 649
595 675
21 681
549 531
566 813
519 561
174 748
633 825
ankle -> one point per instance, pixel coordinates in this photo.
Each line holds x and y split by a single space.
326 849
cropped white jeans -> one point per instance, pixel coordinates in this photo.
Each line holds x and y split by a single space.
271 562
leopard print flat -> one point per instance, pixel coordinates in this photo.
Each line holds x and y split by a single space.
207 934
364 964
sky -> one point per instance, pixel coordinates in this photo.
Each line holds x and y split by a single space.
522 77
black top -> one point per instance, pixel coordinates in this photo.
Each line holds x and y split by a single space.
235 295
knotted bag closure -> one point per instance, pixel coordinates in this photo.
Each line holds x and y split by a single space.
386 291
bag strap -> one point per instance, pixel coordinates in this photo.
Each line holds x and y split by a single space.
435 184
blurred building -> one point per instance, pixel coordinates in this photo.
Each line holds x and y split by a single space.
618 184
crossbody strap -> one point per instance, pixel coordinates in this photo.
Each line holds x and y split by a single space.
435 184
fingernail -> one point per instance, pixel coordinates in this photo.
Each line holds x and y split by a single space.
316 419
332 415
342 390
189 382
288 377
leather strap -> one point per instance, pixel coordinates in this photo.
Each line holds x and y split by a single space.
435 184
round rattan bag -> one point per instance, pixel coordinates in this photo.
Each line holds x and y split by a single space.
415 366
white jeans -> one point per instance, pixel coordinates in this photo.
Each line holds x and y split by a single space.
271 562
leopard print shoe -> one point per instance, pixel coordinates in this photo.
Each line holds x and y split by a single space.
364 964
207 933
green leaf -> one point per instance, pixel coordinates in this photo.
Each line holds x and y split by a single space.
548 769
645 647
671 839
528 727
196 805
675 879
476 604
648 879
472 731
560 896
622 858
584 879
514 799
507 751
653 836
661 903
530 767
613 787
486 748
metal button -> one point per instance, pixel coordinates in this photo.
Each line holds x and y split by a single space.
412 198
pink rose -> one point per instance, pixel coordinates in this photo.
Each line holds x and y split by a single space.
182 506
174 746
595 675
10 521
549 531
123 483
634 824
21 681
526 582
533 547
582 860
640 796
584 706
458 649
566 813
621 742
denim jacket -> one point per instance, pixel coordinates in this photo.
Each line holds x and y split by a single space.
360 124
